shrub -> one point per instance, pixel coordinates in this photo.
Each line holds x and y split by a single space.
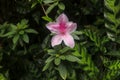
26 52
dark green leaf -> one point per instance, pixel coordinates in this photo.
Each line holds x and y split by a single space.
31 31
25 38
34 4
46 18
62 57
57 61
61 6
46 66
62 71
78 32
65 49
15 38
51 58
48 1
9 34
75 37
72 58
51 7
21 32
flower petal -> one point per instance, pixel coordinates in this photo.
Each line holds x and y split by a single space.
71 27
62 18
68 40
56 40
53 27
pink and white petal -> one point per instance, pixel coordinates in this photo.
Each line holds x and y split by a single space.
62 18
53 27
56 40
68 40
71 27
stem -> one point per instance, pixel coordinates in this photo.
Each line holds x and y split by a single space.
43 9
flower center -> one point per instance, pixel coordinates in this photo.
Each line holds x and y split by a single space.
62 28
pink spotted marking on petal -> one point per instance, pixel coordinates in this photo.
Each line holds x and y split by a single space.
62 28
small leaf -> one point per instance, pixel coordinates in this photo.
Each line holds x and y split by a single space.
48 1
72 58
62 71
46 66
78 32
45 42
62 57
61 6
21 32
114 53
15 38
49 59
75 37
51 52
2 77
76 53
111 36
26 38
34 4
9 34
64 50
51 7
46 18
31 31
13 27
57 61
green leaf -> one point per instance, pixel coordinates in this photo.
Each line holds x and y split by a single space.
2 77
62 71
49 9
9 34
72 58
46 66
61 6
57 61
62 57
34 4
22 24
45 42
112 19
21 32
65 49
113 53
78 32
31 31
49 59
25 38
15 38
111 36
46 18
51 52
48 1
75 37
14 27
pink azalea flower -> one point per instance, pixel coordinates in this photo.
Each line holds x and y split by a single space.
62 29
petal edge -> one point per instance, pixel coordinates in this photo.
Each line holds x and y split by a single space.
53 27
62 18
56 40
68 40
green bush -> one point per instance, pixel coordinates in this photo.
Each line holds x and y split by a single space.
25 42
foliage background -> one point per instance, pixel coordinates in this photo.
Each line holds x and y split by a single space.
25 50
